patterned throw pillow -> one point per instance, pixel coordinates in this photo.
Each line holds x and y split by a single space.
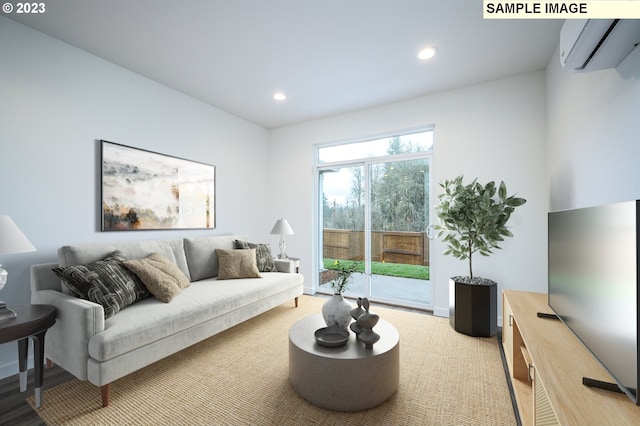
161 276
105 282
237 264
264 259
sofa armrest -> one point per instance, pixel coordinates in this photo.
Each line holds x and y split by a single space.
84 317
285 265
77 321
43 277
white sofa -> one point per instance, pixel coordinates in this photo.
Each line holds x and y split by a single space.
103 350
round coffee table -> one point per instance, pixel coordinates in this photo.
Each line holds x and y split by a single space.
345 378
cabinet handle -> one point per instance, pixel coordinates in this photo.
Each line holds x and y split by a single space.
510 320
529 374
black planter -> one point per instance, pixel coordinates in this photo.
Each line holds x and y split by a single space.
473 308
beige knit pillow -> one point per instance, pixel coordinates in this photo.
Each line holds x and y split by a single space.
162 277
237 264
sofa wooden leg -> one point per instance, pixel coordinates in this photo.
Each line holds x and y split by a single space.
106 393
296 301
48 363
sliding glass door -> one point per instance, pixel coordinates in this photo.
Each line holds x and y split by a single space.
376 212
399 200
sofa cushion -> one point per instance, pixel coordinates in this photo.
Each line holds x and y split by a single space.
162 278
237 264
201 254
172 249
200 305
105 282
264 259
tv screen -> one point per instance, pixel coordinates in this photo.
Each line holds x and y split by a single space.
593 284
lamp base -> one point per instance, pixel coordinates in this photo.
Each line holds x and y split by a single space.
6 313
282 246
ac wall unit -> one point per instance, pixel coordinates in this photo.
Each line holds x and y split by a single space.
596 44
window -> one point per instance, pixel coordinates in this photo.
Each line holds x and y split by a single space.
394 145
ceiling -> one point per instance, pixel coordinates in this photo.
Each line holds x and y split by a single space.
328 57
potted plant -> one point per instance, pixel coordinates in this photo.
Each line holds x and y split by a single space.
337 311
473 219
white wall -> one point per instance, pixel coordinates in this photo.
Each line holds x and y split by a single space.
56 102
593 134
495 131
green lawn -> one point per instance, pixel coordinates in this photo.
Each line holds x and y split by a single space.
390 269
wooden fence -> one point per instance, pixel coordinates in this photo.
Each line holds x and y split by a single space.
411 248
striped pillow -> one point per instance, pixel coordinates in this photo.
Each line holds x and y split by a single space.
105 282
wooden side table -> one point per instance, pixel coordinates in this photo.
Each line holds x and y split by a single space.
31 321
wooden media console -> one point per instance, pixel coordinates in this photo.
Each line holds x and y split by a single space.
546 365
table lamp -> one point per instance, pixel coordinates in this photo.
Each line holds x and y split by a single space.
282 227
12 240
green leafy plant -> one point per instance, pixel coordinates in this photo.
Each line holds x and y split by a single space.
344 272
473 217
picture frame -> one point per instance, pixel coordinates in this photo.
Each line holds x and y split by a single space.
146 190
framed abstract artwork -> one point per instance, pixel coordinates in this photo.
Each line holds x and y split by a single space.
145 190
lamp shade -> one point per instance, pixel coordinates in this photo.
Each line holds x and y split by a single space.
12 240
282 227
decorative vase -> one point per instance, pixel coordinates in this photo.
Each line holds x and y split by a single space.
337 312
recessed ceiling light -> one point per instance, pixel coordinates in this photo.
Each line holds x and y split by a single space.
427 53
279 96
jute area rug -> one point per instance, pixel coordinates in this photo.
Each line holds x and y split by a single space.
240 377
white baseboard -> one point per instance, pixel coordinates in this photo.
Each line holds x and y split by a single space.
441 312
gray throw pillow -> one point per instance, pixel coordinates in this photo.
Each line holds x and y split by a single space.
264 259
105 282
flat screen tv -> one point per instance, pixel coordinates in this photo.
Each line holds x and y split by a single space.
593 284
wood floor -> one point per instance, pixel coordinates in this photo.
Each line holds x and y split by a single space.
14 409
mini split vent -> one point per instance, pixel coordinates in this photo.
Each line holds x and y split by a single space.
596 44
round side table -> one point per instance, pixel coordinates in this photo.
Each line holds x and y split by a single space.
346 378
30 321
